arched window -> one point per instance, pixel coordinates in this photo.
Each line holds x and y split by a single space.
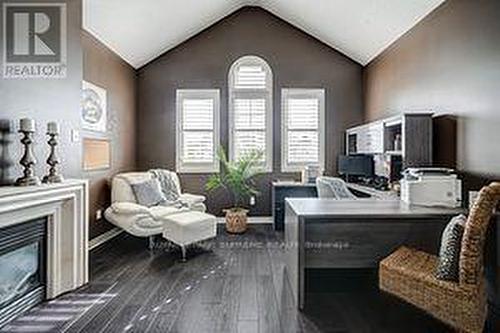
250 109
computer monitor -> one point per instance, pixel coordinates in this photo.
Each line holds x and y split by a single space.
356 165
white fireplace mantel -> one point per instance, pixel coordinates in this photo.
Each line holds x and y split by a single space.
65 206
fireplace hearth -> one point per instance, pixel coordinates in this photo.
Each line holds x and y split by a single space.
23 249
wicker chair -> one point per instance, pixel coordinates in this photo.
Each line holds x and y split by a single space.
410 274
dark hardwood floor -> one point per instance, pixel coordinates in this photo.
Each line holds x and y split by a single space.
231 284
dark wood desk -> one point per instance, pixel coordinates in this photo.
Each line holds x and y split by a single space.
328 233
281 191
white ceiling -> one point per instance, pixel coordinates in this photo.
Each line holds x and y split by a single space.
139 31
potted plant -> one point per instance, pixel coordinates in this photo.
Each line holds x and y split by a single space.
238 178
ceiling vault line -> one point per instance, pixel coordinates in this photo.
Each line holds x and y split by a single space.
141 31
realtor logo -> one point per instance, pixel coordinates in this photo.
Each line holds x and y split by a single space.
34 40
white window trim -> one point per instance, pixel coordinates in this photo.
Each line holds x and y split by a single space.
249 93
305 93
182 94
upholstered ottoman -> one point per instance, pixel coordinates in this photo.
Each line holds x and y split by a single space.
187 228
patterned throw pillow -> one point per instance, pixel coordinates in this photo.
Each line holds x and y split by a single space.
148 193
449 253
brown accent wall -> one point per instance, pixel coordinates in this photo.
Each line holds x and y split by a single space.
297 60
106 69
449 63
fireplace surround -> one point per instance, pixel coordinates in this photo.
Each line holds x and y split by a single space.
52 221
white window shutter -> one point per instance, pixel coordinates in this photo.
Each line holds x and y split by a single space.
246 141
303 147
198 114
250 109
302 128
198 147
249 114
249 125
197 138
303 113
250 77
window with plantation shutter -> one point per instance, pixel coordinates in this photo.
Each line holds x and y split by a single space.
250 109
302 134
197 130
250 77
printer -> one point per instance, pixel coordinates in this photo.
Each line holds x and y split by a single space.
431 187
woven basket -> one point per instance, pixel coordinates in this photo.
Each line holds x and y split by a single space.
236 220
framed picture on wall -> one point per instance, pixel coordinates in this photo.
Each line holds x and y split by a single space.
96 154
93 107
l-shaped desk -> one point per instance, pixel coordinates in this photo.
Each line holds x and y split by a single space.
328 233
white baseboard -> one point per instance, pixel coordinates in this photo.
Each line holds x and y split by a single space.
103 238
108 235
252 220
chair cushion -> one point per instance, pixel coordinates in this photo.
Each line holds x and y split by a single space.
407 266
160 212
189 227
129 208
190 219
148 193
449 253
120 188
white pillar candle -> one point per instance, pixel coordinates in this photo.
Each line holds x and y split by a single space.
52 128
27 125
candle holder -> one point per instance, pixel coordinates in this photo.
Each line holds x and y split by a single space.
52 160
6 162
28 160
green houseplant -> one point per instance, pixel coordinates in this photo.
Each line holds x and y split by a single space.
237 178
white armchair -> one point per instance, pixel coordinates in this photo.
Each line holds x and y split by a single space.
139 220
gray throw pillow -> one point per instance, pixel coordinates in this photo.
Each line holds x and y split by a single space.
148 193
449 253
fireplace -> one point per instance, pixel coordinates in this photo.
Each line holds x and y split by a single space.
55 248
23 250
